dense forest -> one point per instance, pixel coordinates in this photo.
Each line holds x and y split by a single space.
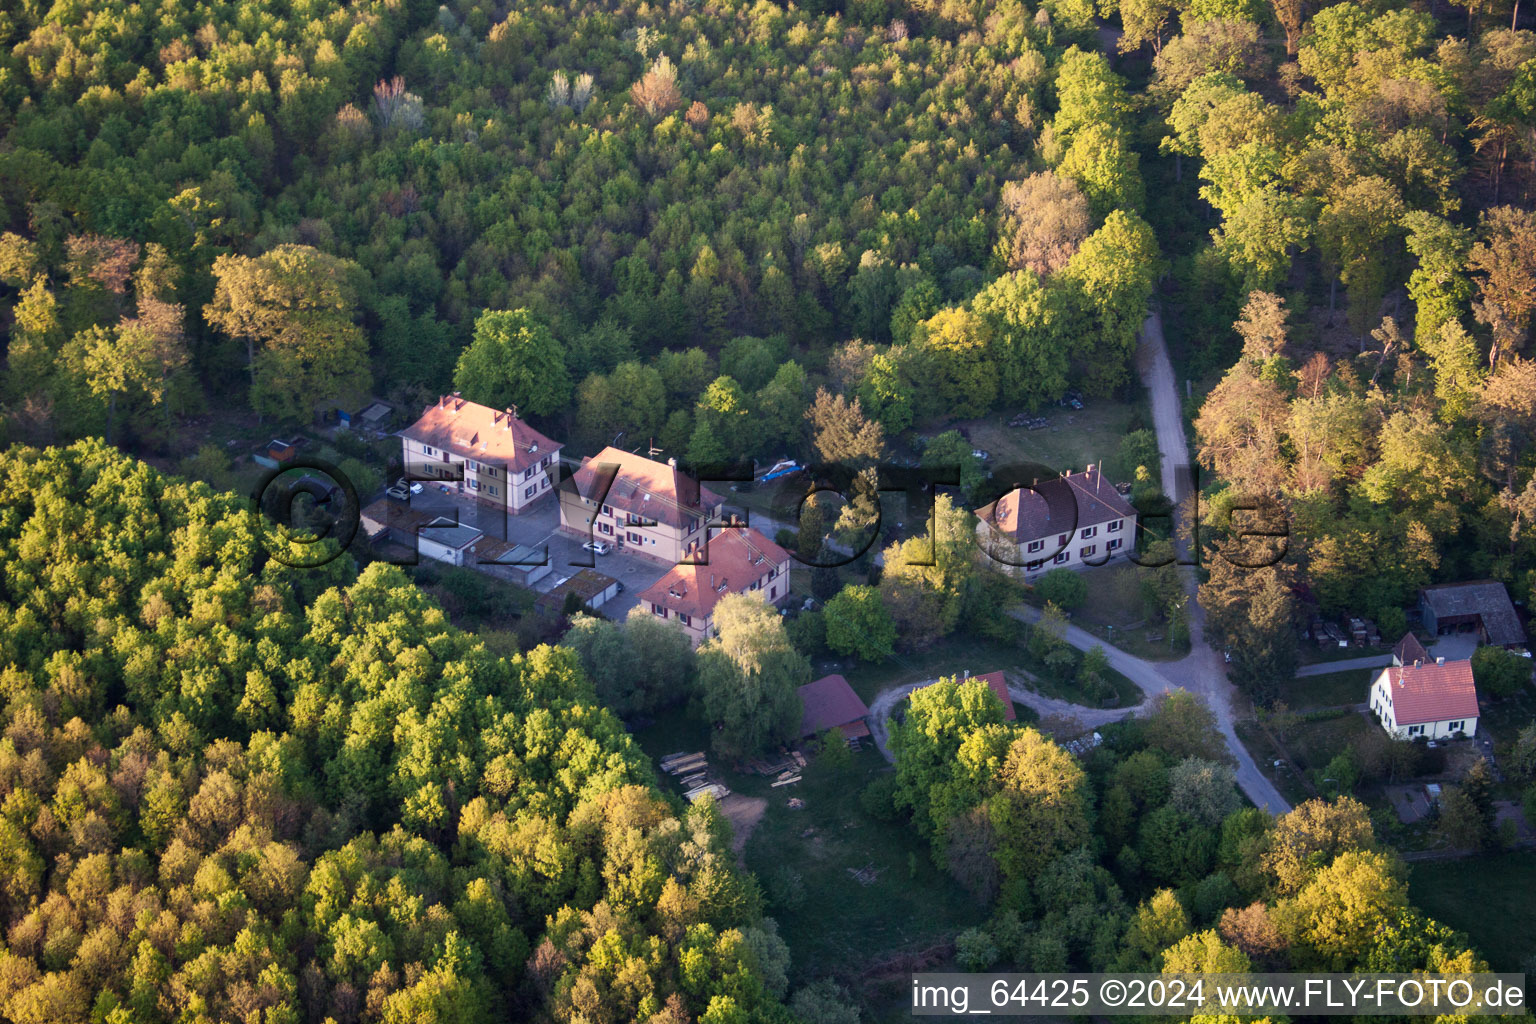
238 791
688 209
1140 856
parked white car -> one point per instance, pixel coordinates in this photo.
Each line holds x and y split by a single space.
600 547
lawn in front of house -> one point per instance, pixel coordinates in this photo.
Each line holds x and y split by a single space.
1352 686
1074 439
1491 898
1115 612
1313 743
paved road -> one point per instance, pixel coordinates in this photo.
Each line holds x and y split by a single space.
1090 718
1325 668
1202 671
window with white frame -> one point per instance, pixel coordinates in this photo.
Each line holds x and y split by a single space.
1090 531
1063 557
1114 527
1036 545
1088 551
1113 544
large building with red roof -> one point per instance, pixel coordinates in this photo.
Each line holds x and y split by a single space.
737 560
638 505
1066 522
1425 699
488 454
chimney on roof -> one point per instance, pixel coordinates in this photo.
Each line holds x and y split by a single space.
1418 662
1440 661
672 461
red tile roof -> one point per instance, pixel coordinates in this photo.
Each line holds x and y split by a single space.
1000 687
829 703
643 487
478 432
1058 505
738 557
1432 692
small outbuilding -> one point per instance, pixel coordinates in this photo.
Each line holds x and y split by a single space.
1409 650
521 563
830 703
1480 606
447 541
594 589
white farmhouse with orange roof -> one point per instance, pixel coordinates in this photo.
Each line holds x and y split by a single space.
1425 699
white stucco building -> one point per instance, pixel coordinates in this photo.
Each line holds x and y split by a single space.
1071 521
1433 700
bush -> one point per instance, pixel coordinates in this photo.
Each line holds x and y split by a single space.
823 1002
1064 588
1137 448
210 465
832 753
1393 623
975 950
1521 761
879 799
1500 672
786 888
808 632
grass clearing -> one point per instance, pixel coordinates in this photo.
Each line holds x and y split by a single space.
1313 744
1265 753
833 921
1309 653
1073 440
1491 898
1352 686
1114 611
